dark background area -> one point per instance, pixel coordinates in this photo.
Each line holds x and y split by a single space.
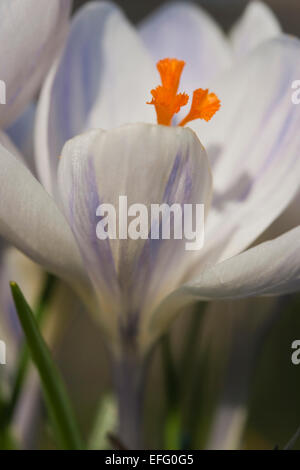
224 11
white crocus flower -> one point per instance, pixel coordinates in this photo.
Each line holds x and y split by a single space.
257 24
27 50
247 322
103 80
32 34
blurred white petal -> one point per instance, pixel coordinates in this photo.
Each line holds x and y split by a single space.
253 143
257 24
30 220
228 425
236 332
271 268
103 80
30 35
187 32
21 134
6 142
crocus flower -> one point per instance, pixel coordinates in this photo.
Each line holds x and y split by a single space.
103 81
32 34
27 50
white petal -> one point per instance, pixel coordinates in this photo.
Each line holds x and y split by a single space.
257 24
103 80
148 164
187 32
289 219
10 146
254 142
236 331
30 35
228 425
21 134
30 220
271 268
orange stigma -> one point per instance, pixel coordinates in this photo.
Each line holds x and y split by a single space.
168 102
170 71
204 106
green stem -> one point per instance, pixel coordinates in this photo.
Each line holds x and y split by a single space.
129 386
170 373
178 384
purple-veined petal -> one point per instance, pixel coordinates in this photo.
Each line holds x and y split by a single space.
271 268
186 32
102 80
31 220
253 143
149 164
31 34
257 24
21 134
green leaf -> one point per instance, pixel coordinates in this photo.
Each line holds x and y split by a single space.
172 429
24 357
57 400
6 440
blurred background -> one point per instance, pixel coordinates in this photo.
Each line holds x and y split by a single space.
224 11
